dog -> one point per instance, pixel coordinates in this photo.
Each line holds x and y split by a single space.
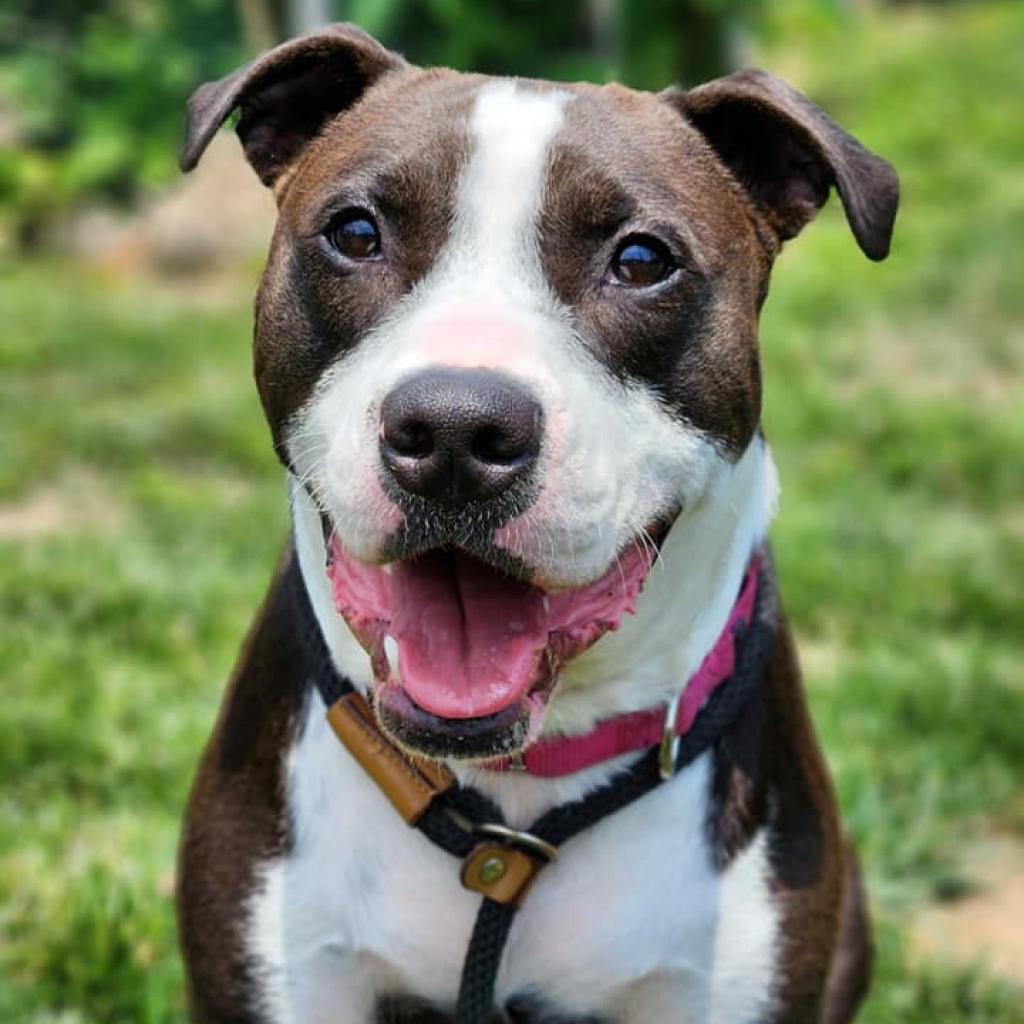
506 344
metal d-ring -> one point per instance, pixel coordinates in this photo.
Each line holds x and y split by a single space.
668 752
524 840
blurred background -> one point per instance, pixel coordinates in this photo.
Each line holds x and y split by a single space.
141 508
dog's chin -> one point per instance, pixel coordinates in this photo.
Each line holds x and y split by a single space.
466 656
503 733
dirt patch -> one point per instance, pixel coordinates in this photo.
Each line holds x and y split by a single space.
820 659
986 927
937 363
220 216
78 502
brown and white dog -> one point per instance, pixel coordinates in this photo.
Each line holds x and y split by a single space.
506 342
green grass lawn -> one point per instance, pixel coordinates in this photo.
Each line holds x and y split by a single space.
141 511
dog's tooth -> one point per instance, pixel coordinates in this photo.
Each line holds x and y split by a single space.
391 653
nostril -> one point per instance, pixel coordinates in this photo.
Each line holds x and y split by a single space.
410 438
498 447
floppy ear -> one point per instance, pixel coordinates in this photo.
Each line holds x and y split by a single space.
788 154
286 96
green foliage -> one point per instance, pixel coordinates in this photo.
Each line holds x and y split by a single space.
94 92
532 38
645 43
664 42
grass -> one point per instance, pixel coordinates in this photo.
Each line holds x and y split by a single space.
131 409
141 510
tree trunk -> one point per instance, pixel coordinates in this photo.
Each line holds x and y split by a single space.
261 28
305 16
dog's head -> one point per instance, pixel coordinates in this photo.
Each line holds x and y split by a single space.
507 334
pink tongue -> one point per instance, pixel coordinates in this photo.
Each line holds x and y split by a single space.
469 638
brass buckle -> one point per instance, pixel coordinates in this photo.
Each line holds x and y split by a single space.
669 749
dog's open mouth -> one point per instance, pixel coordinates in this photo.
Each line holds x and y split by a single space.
464 656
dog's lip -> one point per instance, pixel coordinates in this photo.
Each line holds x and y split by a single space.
493 557
651 538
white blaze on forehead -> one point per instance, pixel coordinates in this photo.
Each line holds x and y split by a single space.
512 127
484 302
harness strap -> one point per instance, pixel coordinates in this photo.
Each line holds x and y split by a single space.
498 862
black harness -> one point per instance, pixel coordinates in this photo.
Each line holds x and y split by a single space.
460 816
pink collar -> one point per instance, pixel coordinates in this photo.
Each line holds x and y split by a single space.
562 755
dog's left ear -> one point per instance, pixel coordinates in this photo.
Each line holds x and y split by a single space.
287 96
788 154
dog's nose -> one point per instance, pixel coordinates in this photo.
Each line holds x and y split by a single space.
456 436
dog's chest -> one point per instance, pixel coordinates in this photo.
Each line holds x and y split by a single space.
628 922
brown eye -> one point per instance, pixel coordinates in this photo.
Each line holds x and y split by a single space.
641 261
354 235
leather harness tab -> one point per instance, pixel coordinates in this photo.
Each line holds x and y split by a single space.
410 786
501 873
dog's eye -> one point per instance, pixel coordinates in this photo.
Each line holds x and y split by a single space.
354 234
641 261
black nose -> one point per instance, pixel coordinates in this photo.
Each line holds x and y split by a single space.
457 436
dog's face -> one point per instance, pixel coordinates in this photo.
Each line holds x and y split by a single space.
506 334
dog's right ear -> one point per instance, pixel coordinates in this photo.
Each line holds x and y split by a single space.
286 96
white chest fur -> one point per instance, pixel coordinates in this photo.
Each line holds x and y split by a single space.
632 921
